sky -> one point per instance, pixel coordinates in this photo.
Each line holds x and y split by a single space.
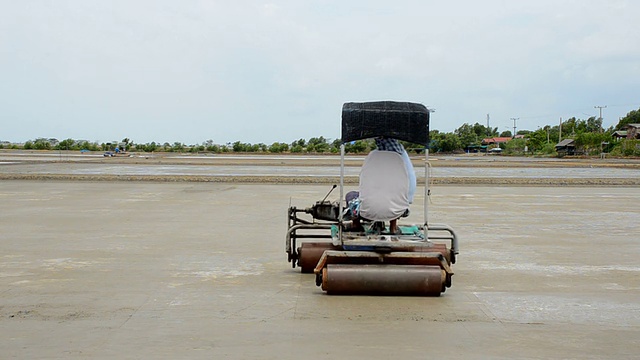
276 71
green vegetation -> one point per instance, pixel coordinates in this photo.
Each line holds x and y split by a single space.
589 138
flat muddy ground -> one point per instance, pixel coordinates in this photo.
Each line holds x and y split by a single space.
143 269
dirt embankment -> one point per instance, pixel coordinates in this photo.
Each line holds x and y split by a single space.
324 180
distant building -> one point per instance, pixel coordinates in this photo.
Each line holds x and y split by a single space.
633 131
475 148
566 147
620 134
500 140
496 140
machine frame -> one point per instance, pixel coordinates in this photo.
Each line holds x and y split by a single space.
317 240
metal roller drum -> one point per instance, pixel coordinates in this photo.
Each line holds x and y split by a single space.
310 253
383 279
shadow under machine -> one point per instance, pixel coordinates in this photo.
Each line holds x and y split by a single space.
371 259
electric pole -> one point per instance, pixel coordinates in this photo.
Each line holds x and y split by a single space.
560 133
600 118
431 111
488 128
514 126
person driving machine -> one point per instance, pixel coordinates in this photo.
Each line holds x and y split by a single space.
387 187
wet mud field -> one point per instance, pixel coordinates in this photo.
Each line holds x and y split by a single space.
191 269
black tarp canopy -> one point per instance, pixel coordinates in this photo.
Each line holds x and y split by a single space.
399 120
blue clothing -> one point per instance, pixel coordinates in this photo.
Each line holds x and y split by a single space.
389 144
412 175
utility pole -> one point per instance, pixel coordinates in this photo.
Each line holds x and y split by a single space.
488 128
600 118
514 126
560 133
431 111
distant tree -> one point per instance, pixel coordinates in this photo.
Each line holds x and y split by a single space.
151 147
85 145
593 125
322 148
68 144
535 141
412 147
252 147
468 135
42 144
548 149
627 147
317 144
573 126
444 142
239 147
483 131
515 146
335 146
435 137
450 143
177 146
569 127
127 144
633 117
196 148
301 142
277 147
592 142
356 147
210 146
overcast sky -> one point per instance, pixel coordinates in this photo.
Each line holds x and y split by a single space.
266 71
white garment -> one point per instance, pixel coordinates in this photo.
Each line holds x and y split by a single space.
412 175
384 186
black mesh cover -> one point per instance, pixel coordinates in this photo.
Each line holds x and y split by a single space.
399 120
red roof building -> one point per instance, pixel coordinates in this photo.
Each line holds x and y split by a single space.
495 140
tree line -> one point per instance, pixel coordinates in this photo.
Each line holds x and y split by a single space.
589 137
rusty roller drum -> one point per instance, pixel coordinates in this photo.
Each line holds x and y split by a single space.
310 253
383 279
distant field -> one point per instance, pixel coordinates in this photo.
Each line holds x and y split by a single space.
309 169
